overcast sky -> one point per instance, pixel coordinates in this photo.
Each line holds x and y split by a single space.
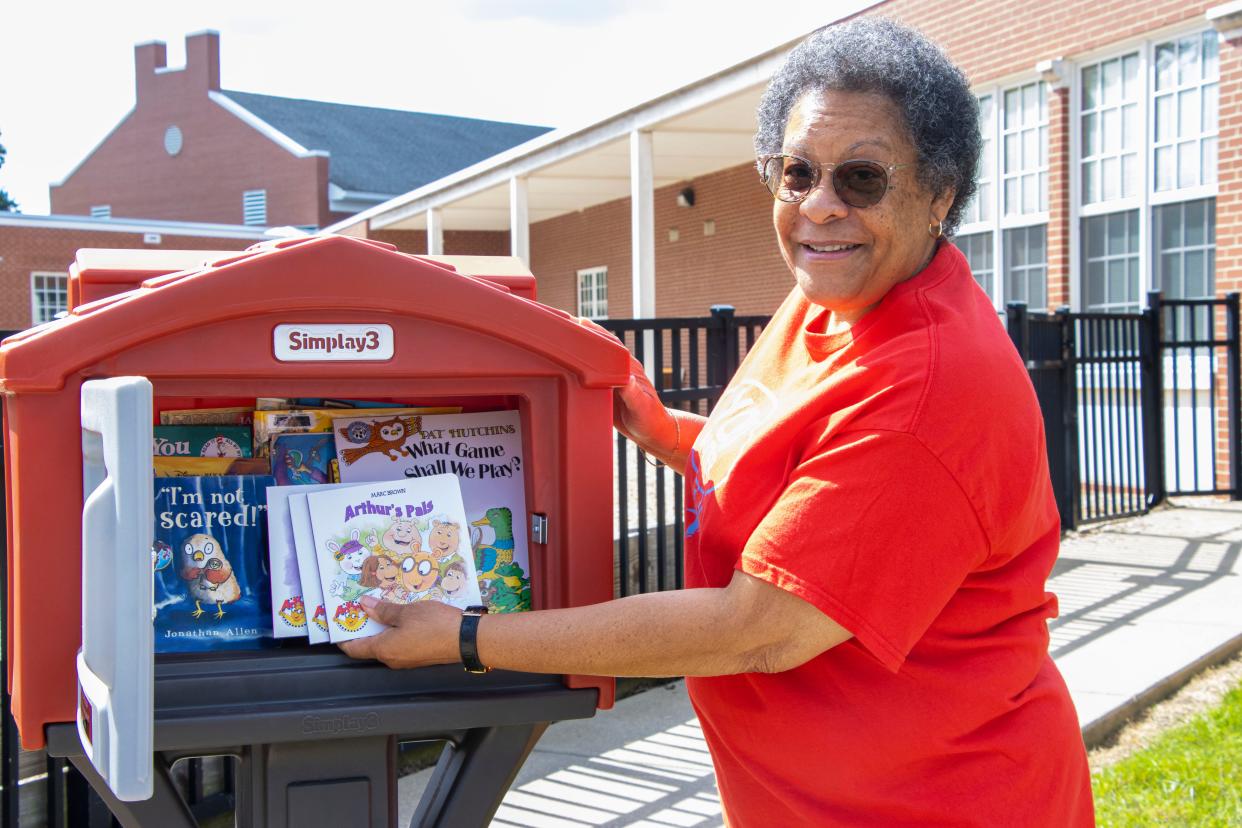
68 71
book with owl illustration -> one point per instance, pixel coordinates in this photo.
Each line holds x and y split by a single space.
201 441
271 422
399 541
212 587
484 450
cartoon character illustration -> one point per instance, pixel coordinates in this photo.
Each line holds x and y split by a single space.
208 573
402 537
386 437
161 555
298 472
292 612
508 592
350 617
321 618
453 581
500 551
419 575
350 556
382 577
357 432
220 446
444 539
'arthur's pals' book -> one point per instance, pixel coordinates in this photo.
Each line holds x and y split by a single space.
484 450
210 558
398 541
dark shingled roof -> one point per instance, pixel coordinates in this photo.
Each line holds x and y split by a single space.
385 150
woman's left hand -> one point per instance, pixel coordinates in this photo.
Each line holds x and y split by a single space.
418 634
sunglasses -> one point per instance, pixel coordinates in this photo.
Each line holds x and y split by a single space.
858 182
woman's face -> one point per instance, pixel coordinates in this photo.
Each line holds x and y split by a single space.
846 258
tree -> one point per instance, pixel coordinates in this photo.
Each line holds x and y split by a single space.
7 205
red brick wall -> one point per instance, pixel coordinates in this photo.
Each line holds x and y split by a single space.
29 249
221 156
456 242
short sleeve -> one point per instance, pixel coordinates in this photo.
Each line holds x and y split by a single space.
876 533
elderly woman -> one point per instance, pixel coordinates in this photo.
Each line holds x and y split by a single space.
870 521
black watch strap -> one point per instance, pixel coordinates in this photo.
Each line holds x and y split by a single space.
469 642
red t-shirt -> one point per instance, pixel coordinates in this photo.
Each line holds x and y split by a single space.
894 476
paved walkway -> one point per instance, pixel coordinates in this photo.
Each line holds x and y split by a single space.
1145 603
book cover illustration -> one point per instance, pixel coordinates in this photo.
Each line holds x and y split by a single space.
308 565
397 541
302 459
199 466
271 422
288 607
200 441
484 450
211 581
207 416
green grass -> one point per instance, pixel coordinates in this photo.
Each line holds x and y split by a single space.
1191 776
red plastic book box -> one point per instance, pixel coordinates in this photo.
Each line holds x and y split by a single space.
212 336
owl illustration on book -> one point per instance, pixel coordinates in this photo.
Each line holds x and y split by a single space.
207 574
384 437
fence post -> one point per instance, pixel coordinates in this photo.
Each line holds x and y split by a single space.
1018 323
721 346
1234 388
1069 418
1151 369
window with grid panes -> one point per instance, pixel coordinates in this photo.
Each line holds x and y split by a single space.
1157 104
977 247
1011 204
49 295
593 293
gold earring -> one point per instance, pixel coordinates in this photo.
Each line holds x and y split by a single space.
936 230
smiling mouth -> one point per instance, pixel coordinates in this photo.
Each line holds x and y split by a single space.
830 248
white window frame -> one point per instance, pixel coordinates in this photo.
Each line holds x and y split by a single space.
596 275
999 222
35 276
249 196
1147 196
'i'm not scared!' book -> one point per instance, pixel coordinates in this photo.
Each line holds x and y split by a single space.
212 586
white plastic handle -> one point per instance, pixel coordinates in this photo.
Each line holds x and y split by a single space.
116 710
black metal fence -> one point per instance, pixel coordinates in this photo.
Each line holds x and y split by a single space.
1137 406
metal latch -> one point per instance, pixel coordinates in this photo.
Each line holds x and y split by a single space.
539 528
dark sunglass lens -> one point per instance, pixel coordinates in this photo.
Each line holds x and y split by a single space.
794 178
860 183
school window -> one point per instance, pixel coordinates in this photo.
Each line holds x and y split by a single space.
1005 224
254 207
593 293
1147 158
49 295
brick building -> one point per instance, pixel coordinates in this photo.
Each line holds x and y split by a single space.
1110 170
191 151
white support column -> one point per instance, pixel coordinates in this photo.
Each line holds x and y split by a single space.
435 233
642 235
519 220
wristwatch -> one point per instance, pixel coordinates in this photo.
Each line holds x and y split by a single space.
469 641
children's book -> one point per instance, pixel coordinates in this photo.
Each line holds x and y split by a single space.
308 565
200 466
212 588
484 450
303 459
269 423
207 416
200 441
398 541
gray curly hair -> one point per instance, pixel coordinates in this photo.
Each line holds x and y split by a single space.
881 56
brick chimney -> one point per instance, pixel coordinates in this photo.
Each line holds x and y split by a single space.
148 57
202 59
202 65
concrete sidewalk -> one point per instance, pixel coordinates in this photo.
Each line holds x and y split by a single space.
1145 604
